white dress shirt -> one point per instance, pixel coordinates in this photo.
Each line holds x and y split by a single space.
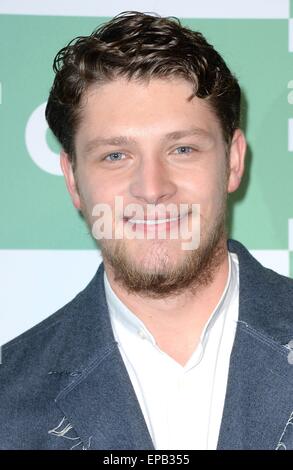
182 405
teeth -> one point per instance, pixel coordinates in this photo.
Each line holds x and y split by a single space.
152 222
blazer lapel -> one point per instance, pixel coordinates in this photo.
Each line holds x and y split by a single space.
102 407
97 399
258 403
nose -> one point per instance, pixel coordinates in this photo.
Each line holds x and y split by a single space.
152 183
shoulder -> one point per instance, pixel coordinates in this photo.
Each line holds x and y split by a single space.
42 342
253 272
47 359
265 297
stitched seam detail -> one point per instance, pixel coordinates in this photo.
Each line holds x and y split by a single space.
280 348
85 373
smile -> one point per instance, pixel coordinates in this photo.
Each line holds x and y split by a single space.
152 221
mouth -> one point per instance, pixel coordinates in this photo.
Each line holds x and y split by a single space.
152 221
155 224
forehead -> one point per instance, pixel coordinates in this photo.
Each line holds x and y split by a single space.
140 108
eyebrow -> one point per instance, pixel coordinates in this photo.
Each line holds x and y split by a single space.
122 139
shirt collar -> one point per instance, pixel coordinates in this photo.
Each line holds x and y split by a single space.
219 312
121 313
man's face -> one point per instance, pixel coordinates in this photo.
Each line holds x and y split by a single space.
164 149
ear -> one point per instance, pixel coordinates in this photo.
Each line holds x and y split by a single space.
70 179
236 159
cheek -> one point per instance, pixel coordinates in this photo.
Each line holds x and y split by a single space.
211 196
101 187
93 194
90 188
88 198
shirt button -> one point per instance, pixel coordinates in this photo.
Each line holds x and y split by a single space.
141 334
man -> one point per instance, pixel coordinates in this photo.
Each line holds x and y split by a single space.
168 347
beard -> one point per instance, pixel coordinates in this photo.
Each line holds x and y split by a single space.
164 278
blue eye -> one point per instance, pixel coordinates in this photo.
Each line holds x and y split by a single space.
185 149
114 157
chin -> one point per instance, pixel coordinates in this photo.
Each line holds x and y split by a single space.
156 255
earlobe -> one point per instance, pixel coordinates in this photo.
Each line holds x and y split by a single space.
69 176
237 157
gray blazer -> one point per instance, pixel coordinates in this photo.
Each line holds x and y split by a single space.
63 383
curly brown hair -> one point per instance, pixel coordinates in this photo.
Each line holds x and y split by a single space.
139 46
